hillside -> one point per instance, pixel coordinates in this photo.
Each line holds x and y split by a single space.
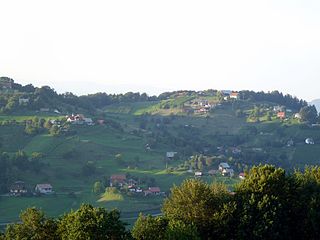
154 141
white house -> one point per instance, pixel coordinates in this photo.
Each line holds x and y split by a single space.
228 172
223 166
44 188
234 95
309 141
198 174
23 101
88 121
171 154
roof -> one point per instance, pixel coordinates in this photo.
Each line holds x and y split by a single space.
119 177
224 165
19 185
44 185
234 94
154 189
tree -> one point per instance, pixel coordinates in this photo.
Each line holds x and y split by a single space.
149 228
97 187
35 225
263 204
207 207
90 223
309 114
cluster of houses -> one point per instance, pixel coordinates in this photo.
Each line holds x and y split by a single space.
224 169
79 119
19 188
121 182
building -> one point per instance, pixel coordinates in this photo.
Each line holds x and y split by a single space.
229 172
242 176
18 188
118 180
44 188
281 115
223 166
152 191
234 95
171 155
309 141
23 101
198 174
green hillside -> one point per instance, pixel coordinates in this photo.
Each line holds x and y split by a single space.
133 137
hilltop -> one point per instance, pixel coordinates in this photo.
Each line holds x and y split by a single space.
78 144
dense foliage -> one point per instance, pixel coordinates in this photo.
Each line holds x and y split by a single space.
268 204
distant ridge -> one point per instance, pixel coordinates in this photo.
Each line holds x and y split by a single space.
316 102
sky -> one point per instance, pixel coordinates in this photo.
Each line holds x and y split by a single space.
156 46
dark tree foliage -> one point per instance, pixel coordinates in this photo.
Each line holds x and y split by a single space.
35 225
275 97
90 223
309 114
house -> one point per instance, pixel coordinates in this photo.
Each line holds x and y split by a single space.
100 122
198 174
223 166
118 180
18 188
171 155
278 108
228 172
56 111
234 95
23 101
44 188
242 176
297 116
75 119
281 115
152 191
309 141
88 121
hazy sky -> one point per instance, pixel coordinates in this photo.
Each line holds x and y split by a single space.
153 46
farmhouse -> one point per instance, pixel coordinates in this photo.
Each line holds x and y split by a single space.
281 115
228 172
88 121
234 95
23 101
44 188
75 119
171 155
18 188
198 174
152 191
223 166
309 141
117 180
242 176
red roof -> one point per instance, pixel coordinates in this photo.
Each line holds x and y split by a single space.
281 115
234 94
118 178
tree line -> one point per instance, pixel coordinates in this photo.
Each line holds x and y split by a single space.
268 204
46 97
